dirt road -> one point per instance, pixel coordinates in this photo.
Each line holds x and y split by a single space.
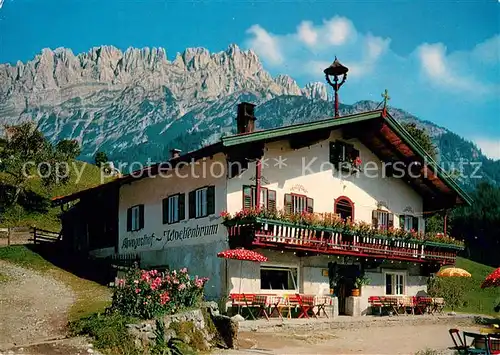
33 306
407 339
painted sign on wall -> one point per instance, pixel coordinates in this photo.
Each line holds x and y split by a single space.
159 241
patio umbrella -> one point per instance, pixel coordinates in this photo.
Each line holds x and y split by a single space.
493 279
242 255
453 272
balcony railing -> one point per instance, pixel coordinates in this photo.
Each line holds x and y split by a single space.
261 232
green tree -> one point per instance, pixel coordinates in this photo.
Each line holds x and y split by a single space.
422 138
68 148
25 154
100 158
479 225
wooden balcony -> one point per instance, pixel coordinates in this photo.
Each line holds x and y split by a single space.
265 233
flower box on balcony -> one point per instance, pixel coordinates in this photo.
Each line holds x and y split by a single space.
444 245
303 226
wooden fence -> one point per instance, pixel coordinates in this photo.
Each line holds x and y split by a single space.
42 236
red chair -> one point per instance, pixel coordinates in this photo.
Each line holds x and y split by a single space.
305 307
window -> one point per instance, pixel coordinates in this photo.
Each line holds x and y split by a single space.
408 222
298 203
278 278
267 197
382 219
344 207
394 284
174 208
135 218
342 152
202 202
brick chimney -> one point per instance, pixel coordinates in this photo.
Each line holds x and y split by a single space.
174 153
245 119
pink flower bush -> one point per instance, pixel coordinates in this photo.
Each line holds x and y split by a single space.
149 293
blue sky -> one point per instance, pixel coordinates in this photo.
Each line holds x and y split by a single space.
439 60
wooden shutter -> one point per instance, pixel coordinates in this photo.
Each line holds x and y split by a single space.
336 152
310 205
141 216
415 224
333 153
165 210
390 220
247 197
192 204
288 203
271 200
375 218
211 200
129 220
402 221
182 207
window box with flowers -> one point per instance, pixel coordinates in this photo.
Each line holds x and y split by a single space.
345 157
326 225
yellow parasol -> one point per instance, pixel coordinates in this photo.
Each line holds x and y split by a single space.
453 272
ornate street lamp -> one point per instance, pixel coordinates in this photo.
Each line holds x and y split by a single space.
336 70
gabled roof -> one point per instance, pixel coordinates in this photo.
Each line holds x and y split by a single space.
378 130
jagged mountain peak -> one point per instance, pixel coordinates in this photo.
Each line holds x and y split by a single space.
316 91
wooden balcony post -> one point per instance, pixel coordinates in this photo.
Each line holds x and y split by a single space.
258 178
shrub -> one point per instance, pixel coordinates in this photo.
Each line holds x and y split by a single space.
149 294
110 333
451 289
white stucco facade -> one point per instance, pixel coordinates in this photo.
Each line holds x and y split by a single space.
308 172
191 243
194 242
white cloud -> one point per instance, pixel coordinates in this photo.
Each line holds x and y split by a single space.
305 52
490 147
488 51
439 68
306 33
308 50
265 44
338 30
376 46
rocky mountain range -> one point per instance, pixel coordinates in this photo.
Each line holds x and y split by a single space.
136 105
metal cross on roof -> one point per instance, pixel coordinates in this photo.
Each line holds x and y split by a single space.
386 97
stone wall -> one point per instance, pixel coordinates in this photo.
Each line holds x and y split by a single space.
200 329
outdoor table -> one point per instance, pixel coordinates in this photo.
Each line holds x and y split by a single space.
407 302
268 301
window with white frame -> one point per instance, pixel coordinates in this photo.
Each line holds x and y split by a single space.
278 278
394 283
382 219
174 208
408 222
202 202
135 218
295 203
267 197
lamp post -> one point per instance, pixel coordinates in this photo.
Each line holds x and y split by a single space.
336 70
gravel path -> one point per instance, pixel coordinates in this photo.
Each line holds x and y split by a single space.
33 306
380 339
